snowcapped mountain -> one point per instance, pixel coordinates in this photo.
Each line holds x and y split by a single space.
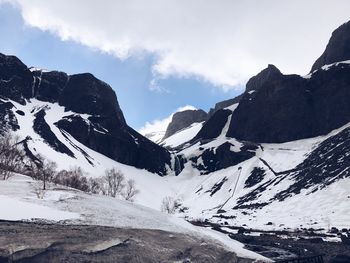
158 131
275 157
278 153
58 108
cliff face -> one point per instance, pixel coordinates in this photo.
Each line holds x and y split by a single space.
105 129
280 108
184 119
338 48
291 107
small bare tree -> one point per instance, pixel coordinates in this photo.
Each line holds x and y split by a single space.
95 186
130 191
48 172
74 178
11 155
169 205
115 182
45 171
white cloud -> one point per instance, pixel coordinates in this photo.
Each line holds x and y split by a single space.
223 42
161 125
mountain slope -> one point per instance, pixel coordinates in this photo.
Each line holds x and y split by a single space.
338 48
281 149
91 114
291 107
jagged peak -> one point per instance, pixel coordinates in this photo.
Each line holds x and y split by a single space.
338 48
269 73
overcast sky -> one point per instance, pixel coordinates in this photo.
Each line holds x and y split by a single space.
213 44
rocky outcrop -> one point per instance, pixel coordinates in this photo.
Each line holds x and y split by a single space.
103 130
269 74
184 119
291 107
224 104
214 126
214 159
82 243
338 48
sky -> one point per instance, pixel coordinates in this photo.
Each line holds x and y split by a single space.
161 55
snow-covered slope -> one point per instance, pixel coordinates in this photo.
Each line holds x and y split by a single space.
204 191
304 183
75 207
182 136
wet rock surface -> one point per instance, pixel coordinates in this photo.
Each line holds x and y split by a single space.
33 242
284 245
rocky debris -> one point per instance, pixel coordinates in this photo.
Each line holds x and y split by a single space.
284 245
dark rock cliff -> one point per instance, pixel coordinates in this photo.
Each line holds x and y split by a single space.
184 119
106 130
338 48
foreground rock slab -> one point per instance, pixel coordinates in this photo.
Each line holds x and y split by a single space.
35 242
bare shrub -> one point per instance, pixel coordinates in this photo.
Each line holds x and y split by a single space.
170 205
11 156
74 178
130 191
114 182
45 172
95 185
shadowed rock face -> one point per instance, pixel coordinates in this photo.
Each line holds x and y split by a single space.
224 104
291 107
269 74
338 48
105 131
214 126
184 119
15 79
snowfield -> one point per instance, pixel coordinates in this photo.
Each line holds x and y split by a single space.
194 189
182 136
202 195
18 200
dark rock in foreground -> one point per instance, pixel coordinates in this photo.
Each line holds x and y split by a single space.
30 242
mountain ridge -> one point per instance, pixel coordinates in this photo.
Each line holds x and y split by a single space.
84 94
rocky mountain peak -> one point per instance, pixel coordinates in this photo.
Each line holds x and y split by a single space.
268 74
184 119
97 120
338 48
